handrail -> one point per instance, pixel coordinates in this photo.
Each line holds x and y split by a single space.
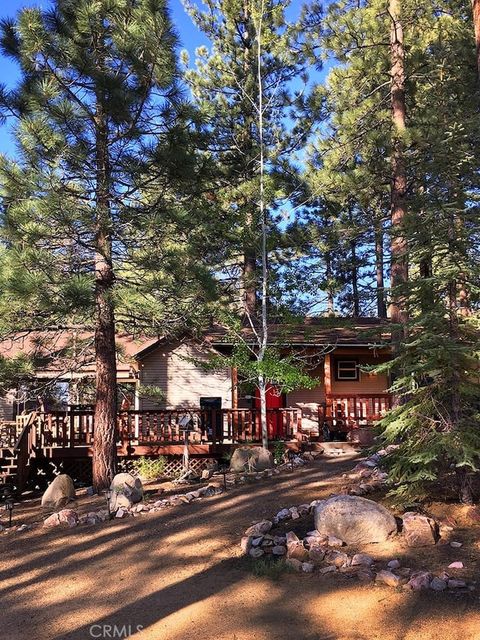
26 428
24 447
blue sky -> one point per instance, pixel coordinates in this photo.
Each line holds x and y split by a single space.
190 38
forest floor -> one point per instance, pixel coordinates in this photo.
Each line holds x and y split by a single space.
178 574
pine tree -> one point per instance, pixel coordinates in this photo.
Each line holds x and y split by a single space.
102 150
403 123
226 88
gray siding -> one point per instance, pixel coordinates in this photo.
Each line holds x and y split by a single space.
182 381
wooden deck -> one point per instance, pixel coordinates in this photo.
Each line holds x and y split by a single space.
68 435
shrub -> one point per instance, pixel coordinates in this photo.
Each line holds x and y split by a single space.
149 468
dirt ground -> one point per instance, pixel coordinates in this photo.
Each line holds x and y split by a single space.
178 574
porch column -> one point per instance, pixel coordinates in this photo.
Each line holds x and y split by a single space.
234 388
327 383
327 374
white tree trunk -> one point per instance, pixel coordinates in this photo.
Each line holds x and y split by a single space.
263 222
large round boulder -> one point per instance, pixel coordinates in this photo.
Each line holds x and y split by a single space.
126 491
246 459
59 492
354 520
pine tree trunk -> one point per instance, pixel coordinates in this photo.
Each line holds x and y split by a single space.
476 26
249 281
330 295
354 276
379 268
399 261
105 420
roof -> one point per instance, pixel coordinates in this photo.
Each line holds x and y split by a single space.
67 350
312 331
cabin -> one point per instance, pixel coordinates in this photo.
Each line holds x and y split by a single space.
168 399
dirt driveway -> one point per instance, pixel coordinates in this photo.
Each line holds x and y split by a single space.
178 575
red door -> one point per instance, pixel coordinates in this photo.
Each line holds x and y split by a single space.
275 400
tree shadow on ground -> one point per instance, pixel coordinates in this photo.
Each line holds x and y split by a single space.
178 574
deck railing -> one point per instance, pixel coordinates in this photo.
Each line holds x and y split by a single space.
75 428
354 410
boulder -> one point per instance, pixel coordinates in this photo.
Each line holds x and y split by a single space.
419 530
59 492
354 520
126 491
251 459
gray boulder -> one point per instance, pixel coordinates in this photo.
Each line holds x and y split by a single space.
354 520
126 491
59 492
246 459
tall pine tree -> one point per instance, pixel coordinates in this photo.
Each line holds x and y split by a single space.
102 151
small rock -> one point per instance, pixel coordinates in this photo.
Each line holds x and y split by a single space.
256 542
437 584
259 528
68 517
294 564
455 544
52 521
284 514
388 578
121 513
394 564
279 550
334 542
23 527
419 530
456 565
246 543
420 580
456 584
329 569
206 474
308 567
337 558
255 552
362 559
316 555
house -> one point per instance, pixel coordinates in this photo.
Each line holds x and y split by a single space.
163 374
169 401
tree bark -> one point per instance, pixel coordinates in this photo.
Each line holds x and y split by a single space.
399 260
328 274
379 268
476 26
105 420
354 276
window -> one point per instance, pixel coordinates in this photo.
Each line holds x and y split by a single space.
347 370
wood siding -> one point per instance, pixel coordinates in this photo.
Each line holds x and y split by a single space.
308 400
182 381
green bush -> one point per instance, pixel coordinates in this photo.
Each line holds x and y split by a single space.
149 468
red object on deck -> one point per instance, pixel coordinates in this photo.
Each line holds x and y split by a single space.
275 400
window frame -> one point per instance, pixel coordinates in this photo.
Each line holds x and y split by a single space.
354 361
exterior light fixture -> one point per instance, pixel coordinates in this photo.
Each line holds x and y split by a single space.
8 506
